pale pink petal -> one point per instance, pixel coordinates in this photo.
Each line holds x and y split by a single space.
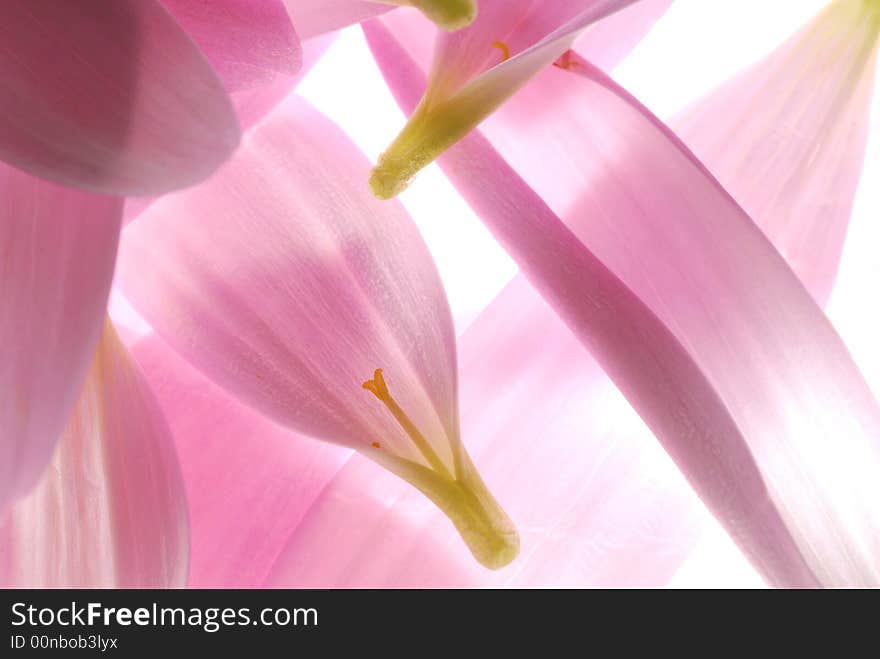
248 42
110 510
249 482
607 42
108 95
597 501
314 17
787 138
251 105
57 249
288 284
707 332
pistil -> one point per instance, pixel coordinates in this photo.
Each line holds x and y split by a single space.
459 492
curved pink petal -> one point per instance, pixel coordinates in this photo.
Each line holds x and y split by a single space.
110 511
607 42
314 17
296 290
251 105
248 42
290 302
249 481
597 501
707 332
110 96
57 249
787 138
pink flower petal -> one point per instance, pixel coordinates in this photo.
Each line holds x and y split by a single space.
251 105
292 304
57 249
288 284
248 42
707 332
110 511
249 481
787 138
314 17
597 501
607 42
110 96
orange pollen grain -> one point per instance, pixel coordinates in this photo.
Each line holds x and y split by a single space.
505 51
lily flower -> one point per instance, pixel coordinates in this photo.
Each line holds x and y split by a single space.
714 364
319 306
162 120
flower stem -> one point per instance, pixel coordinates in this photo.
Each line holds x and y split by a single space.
483 525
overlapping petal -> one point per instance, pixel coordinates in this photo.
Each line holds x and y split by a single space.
110 96
57 250
597 501
248 42
290 288
249 482
296 290
315 17
110 511
787 137
252 104
747 385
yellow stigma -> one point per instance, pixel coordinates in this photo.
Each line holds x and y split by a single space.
505 51
449 14
457 489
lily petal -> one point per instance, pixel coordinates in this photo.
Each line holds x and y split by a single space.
251 105
597 501
249 482
293 305
110 96
248 42
804 112
110 510
315 17
739 381
57 250
607 42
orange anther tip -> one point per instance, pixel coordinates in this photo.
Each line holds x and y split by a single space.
503 48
